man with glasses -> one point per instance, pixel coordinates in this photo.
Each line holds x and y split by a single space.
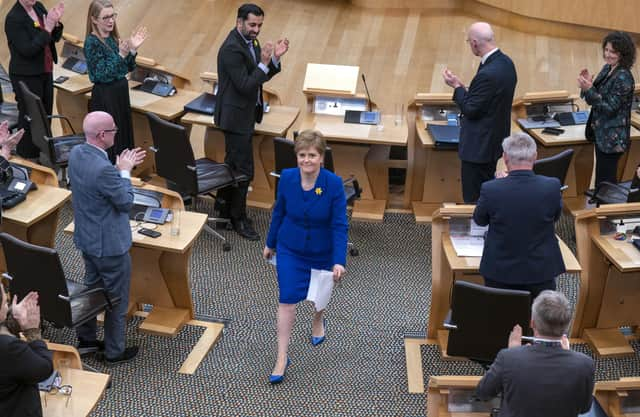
243 66
101 199
486 110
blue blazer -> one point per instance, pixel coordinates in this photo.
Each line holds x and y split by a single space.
101 202
521 246
486 109
314 228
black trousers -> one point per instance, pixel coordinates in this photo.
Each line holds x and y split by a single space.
42 86
534 289
232 201
607 166
473 175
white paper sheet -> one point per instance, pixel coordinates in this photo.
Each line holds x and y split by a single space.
468 245
320 288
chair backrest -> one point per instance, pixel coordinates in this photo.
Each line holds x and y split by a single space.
38 123
174 157
554 166
37 268
285 156
484 318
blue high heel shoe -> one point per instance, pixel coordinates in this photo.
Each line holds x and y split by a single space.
315 341
276 379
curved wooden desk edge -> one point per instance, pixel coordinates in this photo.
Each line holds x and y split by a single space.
39 174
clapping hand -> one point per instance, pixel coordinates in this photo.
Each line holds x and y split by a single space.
515 337
129 158
137 38
27 311
53 17
585 80
124 47
281 48
451 79
266 52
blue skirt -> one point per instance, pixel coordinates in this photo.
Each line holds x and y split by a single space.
294 273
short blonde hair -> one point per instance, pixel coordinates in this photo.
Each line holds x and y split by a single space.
310 139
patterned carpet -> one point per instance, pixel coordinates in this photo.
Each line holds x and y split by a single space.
359 371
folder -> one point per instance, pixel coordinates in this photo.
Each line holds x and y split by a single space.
205 103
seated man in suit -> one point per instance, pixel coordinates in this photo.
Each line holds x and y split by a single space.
101 200
546 378
521 251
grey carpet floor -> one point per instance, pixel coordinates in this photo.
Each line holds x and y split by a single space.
359 371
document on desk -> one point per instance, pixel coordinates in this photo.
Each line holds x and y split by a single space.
466 245
320 288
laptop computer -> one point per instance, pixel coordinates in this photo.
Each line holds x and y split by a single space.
75 65
444 136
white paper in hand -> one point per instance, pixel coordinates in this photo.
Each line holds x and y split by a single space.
320 288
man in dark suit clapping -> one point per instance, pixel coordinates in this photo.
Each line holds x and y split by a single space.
521 251
545 378
485 108
243 66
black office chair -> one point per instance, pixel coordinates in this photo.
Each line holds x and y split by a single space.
481 319
54 151
285 157
555 166
8 111
186 175
63 303
610 193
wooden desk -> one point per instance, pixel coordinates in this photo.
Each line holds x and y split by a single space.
362 151
610 282
160 269
620 397
275 123
447 267
73 95
88 387
35 220
442 390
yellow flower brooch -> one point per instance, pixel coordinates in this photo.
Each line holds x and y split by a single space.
318 191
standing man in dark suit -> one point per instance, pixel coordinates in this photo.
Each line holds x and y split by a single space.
521 250
101 199
243 66
545 378
485 108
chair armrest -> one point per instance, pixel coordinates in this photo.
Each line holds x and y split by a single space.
58 116
85 293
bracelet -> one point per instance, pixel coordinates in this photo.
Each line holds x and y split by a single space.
32 334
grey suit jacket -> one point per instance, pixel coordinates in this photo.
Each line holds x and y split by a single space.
101 202
540 381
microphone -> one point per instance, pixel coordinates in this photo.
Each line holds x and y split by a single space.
366 89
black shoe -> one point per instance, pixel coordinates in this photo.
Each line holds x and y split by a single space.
86 347
128 354
245 229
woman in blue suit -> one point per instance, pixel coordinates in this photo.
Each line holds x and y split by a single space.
308 230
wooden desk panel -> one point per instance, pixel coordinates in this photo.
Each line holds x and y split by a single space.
362 151
160 274
88 389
